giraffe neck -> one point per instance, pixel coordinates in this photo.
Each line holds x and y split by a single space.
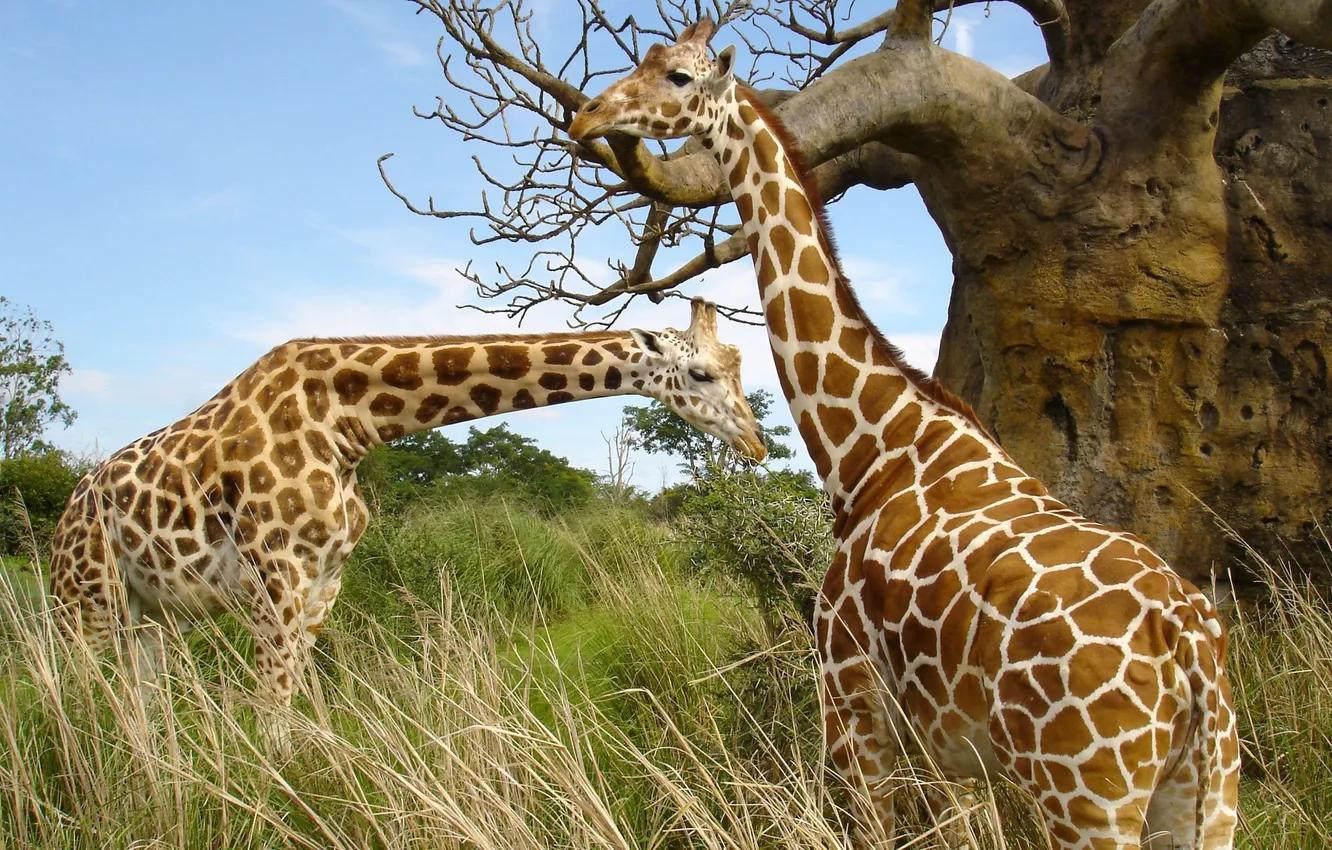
371 390
844 383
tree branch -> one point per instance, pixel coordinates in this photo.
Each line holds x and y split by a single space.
1162 78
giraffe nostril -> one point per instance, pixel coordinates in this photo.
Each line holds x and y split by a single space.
591 106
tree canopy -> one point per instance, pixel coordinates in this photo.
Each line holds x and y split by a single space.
655 429
32 363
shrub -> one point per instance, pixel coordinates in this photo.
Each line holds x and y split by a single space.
772 531
44 482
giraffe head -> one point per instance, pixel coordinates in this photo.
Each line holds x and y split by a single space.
698 377
675 92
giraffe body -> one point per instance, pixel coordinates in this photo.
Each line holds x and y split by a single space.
251 504
967 614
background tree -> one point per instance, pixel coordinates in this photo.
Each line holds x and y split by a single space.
32 362
493 461
655 429
34 489
1139 227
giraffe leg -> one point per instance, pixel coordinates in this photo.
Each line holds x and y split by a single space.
949 807
861 745
279 656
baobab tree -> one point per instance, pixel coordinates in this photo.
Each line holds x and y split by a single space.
1141 228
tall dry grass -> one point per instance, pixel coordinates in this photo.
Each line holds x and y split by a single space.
650 710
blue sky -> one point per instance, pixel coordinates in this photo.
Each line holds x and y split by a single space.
187 184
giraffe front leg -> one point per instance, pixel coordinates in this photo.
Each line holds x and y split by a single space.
861 746
279 652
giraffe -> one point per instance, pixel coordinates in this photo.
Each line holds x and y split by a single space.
251 502
967 614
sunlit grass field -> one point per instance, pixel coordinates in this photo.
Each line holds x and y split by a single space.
498 678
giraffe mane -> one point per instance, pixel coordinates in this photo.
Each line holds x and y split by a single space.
932 388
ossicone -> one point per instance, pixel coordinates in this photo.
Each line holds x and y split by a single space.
703 320
700 32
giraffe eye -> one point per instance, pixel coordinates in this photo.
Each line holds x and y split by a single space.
679 78
700 376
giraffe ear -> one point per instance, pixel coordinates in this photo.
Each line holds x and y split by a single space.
725 64
647 340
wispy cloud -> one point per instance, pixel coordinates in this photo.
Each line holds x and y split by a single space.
963 32
383 31
87 382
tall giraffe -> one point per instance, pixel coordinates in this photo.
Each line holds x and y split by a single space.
251 502
967 612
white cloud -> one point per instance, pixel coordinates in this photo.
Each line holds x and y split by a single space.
963 32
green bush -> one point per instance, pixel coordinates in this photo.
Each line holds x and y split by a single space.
772 531
44 482
496 556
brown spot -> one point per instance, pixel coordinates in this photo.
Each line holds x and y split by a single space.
370 356
508 362
322 487
798 213
745 206
262 479
522 400
670 108
613 378
776 312
404 371
897 517
288 457
839 377
587 382
838 423
813 267
451 365
1107 614
766 274
740 170
879 393
734 130
289 504
390 431
316 397
317 359
592 357
1066 734
807 371
813 441
277 540
765 151
457 413
350 385
553 381
560 355
771 195
431 407
812 315
320 446
784 244
857 460
486 397
386 404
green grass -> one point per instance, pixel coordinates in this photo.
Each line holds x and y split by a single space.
494 678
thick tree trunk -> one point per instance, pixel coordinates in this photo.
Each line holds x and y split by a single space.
1161 330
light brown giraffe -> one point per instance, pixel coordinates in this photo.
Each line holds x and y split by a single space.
967 612
251 503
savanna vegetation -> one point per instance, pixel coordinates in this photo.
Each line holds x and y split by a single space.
509 670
